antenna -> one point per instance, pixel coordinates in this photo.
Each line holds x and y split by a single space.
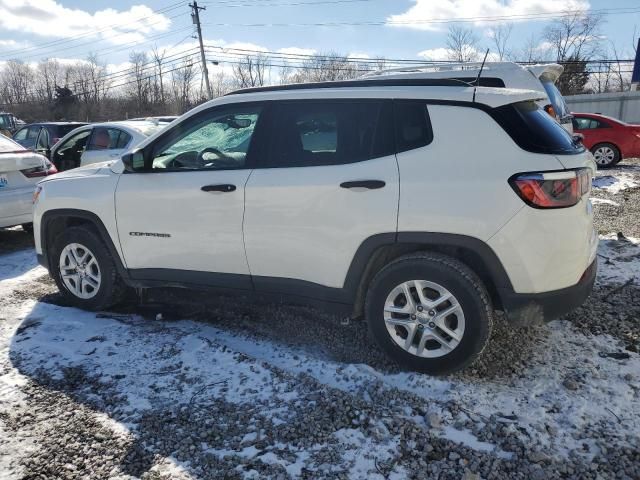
479 73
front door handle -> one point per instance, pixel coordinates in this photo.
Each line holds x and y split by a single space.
225 187
368 184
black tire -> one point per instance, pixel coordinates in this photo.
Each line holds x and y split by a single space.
604 162
111 290
455 277
27 227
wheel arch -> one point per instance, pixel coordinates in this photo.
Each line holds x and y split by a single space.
379 250
55 221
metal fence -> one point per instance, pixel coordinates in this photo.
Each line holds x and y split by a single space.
622 105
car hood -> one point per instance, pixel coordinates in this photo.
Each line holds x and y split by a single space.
85 171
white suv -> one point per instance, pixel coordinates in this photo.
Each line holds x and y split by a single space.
405 201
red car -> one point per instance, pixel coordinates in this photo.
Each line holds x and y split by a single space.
609 140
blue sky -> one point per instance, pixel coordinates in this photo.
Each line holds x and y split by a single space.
27 23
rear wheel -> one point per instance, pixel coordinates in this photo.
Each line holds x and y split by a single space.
84 270
606 154
429 312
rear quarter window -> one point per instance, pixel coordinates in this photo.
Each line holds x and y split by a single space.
534 130
413 126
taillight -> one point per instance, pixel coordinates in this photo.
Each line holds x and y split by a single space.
47 169
550 110
552 189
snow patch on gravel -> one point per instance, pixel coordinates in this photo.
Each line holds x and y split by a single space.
619 259
603 201
616 183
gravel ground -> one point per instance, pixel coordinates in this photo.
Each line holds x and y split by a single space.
246 390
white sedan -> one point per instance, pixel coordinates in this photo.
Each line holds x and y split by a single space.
101 142
20 170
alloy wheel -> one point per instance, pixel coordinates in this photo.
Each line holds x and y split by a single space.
80 271
604 155
424 318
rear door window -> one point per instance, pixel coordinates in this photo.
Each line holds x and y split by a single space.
534 130
311 133
108 139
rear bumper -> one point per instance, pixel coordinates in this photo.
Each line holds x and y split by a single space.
525 309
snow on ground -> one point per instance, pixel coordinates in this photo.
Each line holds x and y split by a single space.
616 182
603 201
154 365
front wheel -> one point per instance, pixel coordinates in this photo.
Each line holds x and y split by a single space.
429 312
606 154
84 270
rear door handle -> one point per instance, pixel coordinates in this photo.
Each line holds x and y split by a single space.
225 187
368 184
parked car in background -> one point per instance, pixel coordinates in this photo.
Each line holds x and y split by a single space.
165 118
610 140
100 142
20 170
541 78
9 124
40 137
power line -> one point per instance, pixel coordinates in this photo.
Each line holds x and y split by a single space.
233 4
109 49
478 19
47 45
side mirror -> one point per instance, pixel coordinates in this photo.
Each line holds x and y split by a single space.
134 161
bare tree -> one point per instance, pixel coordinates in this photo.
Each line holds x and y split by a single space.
48 74
182 85
327 67
575 35
462 44
220 83
158 58
500 35
250 71
531 50
17 78
623 82
140 88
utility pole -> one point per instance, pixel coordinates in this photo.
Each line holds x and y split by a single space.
195 16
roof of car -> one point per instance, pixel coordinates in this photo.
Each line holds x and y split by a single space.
437 90
55 123
597 116
142 127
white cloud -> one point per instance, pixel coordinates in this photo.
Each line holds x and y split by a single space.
49 18
424 11
297 51
443 54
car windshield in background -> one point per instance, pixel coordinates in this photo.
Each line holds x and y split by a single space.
535 131
557 100
4 121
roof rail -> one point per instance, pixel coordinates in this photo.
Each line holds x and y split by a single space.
382 82
439 67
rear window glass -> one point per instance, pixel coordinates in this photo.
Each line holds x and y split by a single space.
557 100
413 127
534 130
